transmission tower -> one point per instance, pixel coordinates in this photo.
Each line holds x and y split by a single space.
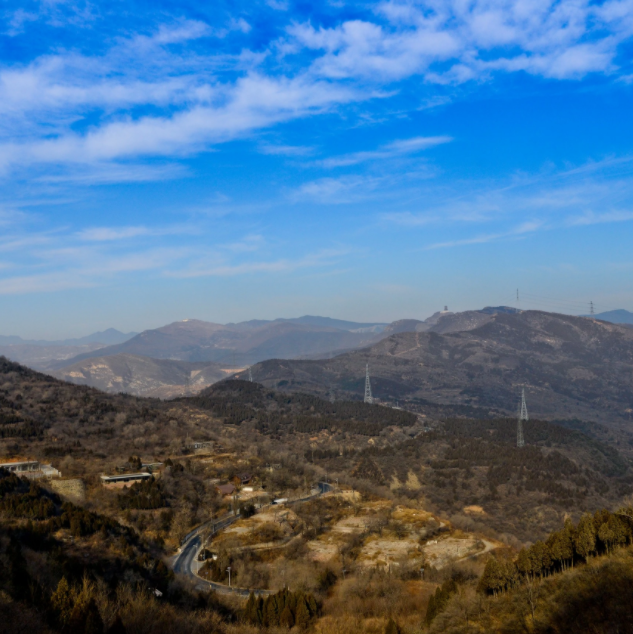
523 418
591 310
368 397
250 374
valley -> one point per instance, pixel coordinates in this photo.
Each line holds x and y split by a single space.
340 515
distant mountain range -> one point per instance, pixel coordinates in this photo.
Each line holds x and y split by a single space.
239 345
107 337
142 376
41 354
188 345
478 361
478 372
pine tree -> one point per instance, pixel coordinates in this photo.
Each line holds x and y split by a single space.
271 611
302 616
568 537
63 602
540 558
585 541
491 581
525 563
286 619
392 627
312 605
430 608
555 545
250 609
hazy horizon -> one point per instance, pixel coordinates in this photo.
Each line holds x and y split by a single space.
368 162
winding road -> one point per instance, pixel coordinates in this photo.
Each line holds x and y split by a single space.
185 561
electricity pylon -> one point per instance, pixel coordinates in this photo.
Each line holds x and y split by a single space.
368 397
250 374
523 418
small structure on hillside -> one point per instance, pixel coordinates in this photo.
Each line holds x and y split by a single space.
201 445
225 489
126 479
245 478
31 469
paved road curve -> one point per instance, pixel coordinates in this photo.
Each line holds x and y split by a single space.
185 561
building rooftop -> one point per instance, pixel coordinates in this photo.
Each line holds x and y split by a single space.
124 477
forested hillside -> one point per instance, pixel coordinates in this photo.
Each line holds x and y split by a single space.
436 523
273 413
472 471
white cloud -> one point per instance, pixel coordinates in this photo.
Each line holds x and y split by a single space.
390 150
170 93
453 41
516 232
341 190
102 234
593 218
286 150
255 101
325 257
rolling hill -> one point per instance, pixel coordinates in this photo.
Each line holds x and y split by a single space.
570 366
238 345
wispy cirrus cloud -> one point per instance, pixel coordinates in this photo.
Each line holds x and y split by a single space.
202 268
170 91
286 150
516 232
342 190
595 218
390 150
595 192
108 234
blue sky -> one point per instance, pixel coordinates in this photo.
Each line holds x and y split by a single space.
368 161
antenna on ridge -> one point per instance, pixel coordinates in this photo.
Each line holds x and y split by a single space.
368 397
523 418
250 374
591 310
518 301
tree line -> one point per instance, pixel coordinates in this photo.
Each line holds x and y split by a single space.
595 535
283 609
